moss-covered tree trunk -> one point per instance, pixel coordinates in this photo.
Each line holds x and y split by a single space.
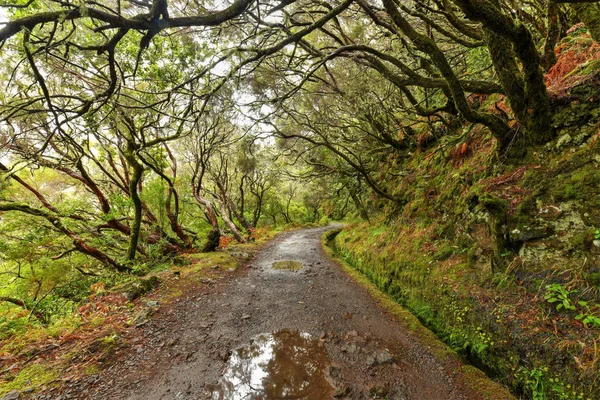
589 14
537 115
137 171
212 241
553 26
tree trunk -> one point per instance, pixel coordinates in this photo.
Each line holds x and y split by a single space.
539 114
136 177
234 230
589 14
549 58
212 241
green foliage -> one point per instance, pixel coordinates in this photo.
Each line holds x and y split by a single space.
535 383
538 385
556 293
586 316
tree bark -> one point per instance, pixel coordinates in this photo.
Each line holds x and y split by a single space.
225 216
549 58
136 177
589 14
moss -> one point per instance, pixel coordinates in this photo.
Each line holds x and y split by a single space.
92 369
582 241
593 278
133 290
32 376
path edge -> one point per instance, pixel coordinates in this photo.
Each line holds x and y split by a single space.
469 377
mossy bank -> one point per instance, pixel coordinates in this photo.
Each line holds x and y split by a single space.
500 259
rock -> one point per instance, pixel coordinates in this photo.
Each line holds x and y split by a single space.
14 395
133 290
352 348
530 234
378 391
371 361
335 372
398 396
341 391
596 243
563 141
223 355
352 334
142 317
152 303
550 212
384 357
242 255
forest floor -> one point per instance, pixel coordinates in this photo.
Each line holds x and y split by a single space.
263 332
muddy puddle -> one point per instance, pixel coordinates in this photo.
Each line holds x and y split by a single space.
287 265
281 365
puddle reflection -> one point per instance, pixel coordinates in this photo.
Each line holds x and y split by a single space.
288 265
282 365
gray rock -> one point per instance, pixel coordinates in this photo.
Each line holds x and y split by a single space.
335 372
529 234
371 361
14 395
142 316
384 357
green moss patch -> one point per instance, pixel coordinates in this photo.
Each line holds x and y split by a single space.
33 376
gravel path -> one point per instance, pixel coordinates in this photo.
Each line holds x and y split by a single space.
313 325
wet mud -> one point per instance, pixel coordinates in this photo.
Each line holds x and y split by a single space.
267 333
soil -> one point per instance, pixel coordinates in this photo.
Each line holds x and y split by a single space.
263 333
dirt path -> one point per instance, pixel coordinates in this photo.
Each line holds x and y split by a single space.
320 328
